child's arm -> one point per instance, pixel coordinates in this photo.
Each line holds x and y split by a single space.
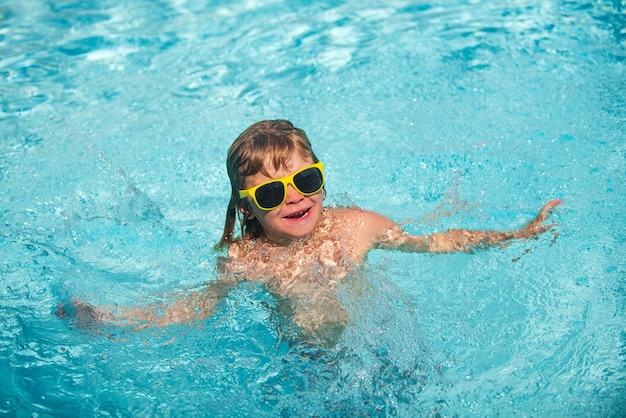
455 240
194 306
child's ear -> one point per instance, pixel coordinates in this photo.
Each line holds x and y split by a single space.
245 208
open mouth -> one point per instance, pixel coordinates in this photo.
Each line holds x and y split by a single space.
298 215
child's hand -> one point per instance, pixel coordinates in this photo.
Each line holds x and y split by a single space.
536 226
82 314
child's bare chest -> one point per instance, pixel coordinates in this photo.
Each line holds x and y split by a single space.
294 270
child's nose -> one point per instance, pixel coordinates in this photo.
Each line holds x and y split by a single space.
293 196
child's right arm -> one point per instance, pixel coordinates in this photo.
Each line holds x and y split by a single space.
196 305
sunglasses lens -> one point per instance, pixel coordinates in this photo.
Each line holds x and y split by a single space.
309 181
270 195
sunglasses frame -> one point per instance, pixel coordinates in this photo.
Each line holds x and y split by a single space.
286 181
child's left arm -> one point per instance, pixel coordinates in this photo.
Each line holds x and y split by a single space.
392 236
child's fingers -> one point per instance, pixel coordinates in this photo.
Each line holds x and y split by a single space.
61 310
550 205
543 213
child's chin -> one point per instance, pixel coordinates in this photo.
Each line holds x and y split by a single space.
300 230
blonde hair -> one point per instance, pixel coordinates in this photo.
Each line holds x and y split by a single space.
267 141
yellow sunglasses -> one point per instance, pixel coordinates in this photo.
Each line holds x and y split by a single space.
272 194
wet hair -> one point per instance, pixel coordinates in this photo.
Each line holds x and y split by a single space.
265 142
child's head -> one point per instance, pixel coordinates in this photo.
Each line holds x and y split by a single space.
269 144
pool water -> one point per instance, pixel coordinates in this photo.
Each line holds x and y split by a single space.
115 121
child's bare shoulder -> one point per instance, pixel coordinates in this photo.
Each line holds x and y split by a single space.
240 248
344 212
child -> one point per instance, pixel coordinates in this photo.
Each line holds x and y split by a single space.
299 250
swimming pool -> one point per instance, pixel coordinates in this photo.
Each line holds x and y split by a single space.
115 121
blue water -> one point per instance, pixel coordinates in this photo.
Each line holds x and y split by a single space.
115 118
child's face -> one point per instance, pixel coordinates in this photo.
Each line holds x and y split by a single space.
298 216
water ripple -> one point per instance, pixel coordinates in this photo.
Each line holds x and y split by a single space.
8 404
